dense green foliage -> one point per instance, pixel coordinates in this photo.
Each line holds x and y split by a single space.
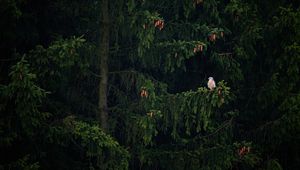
161 114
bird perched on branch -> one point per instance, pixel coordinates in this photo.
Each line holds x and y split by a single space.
211 83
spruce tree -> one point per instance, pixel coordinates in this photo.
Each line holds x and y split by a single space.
166 122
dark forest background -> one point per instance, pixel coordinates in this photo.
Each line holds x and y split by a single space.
122 84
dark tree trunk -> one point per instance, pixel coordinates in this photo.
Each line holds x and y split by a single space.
104 55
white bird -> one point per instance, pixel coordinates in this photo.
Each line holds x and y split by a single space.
211 83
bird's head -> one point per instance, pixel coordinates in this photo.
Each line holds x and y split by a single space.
210 78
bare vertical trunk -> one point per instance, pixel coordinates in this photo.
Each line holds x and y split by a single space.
104 54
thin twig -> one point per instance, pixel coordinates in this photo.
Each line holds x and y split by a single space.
221 54
225 125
